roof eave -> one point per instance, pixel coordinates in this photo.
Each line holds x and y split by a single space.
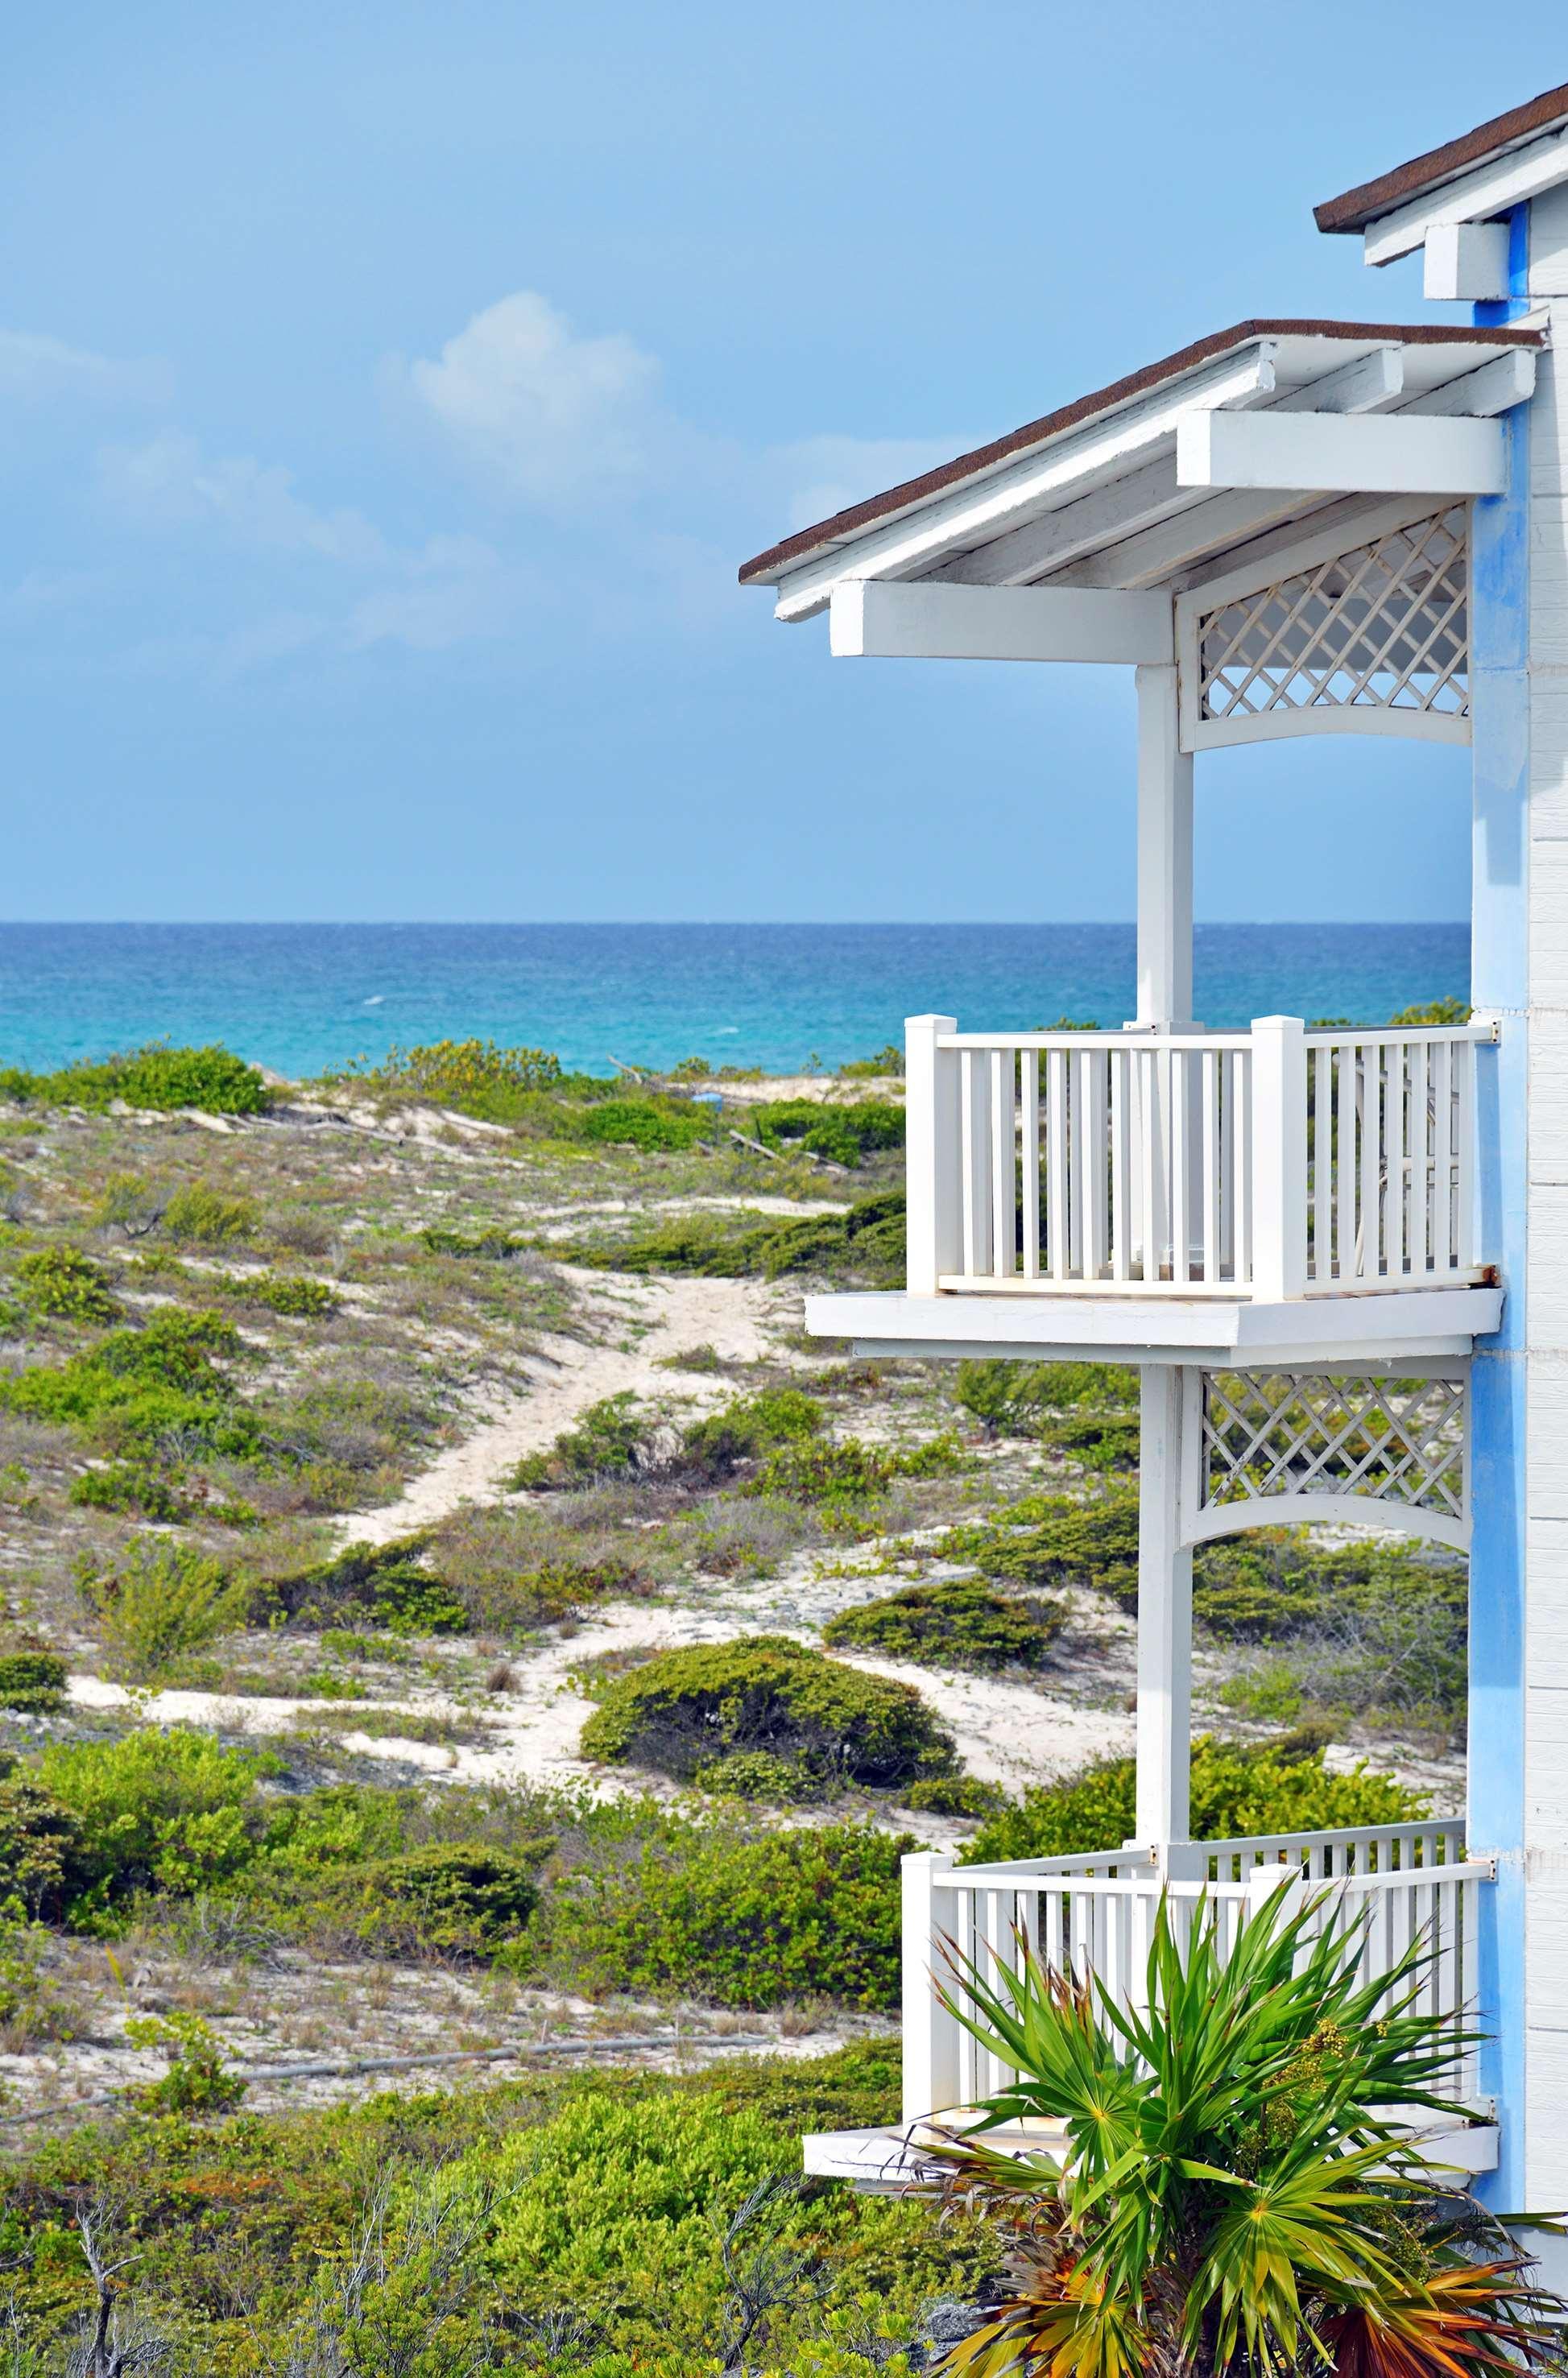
1420 176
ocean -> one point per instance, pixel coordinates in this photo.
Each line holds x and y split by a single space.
301 998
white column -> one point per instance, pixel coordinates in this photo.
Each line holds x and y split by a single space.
1165 1614
1164 854
932 1153
932 2037
1279 1157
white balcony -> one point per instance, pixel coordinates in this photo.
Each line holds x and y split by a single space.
1237 1179
1095 1916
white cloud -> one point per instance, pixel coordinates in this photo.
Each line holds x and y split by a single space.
168 483
40 369
547 413
827 474
457 589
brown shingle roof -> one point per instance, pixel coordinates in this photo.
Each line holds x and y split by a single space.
763 567
1354 209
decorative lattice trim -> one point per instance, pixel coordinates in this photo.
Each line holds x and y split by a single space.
1384 626
1269 1434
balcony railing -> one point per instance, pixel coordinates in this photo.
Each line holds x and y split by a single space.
1274 1163
1095 1915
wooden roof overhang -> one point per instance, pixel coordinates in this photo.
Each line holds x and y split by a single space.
1480 178
1180 470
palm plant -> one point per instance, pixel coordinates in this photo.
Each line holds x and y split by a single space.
1235 2190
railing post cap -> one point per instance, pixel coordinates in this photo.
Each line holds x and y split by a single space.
932 1860
931 1023
1278 1024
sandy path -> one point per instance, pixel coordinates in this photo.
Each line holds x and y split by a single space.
649 1319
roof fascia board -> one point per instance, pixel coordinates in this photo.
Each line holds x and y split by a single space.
1392 454
1503 182
978 509
878 620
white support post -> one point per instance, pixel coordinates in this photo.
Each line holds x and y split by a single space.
931 1125
1164 854
1279 1157
932 2037
1164 1616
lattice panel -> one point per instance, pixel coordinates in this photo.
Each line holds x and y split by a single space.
1384 626
1268 1435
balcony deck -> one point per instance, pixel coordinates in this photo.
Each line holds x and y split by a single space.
1278 1195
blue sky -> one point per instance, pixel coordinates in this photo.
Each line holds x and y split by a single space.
388 394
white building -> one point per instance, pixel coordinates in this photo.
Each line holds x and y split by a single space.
1289 528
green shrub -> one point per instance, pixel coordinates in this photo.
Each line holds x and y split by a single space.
159 1604
954 1795
1235 1791
387 1585
842 1134
298 1299
887 1063
32 1680
1434 1011
490 1246
1054 1541
67 1285
960 1624
860 1246
748 1923
443 1899
202 1216
474 1076
756 1775
132 1486
43 1863
1012 1399
606 1443
32 2007
750 1426
159 1810
653 1125
198 2081
763 1692
156 1077
136 1388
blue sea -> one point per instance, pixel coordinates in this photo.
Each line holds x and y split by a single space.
301 998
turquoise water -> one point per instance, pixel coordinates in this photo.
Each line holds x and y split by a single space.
302 997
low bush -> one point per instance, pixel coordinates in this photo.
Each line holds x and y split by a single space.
750 1426
960 1624
160 1603
445 1899
1054 1541
1011 1397
43 1863
609 1441
298 1299
486 1246
134 1486
756 1775
170 1810
743 1922
199 1215
1236 1790
763 1692
67 1285
156 1077
850 1472
474 1076
858 1246
842 1134
198 2079
954 1795
385 1586
654 1125
32 1681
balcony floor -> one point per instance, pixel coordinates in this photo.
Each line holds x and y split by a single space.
1221 1333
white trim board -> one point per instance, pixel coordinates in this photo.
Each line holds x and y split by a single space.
1302 1335
872 620
1400 453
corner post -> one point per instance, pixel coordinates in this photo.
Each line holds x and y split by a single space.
932 1155
1164 1616
1164 853
1279 1157
932 2037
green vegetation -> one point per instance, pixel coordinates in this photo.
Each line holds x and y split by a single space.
67 1285
473 1077
1267 1788
957 1624
753 1921
155 1077
844 1135
160 1603
32 1681
1228 2199
954 1795
1053 1541
200 1215
296 1298
613 1440
599 2225
861 1246
1012 1399
763 1692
